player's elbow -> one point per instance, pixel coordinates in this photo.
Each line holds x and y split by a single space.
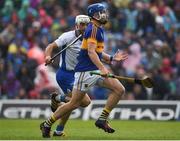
52 46
49 47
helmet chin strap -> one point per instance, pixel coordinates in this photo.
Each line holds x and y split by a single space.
96 19
99 21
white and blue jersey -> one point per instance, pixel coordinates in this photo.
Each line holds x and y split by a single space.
68 60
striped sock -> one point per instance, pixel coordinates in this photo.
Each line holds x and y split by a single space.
104 115
50 121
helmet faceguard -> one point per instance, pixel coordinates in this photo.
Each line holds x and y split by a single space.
102 16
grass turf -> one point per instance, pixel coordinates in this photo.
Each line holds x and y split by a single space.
18 129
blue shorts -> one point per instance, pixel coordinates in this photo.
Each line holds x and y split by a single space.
65 80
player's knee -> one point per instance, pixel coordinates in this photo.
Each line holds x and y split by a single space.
120 90
85 103
123 90
74 105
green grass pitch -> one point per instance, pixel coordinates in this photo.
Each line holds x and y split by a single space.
19 129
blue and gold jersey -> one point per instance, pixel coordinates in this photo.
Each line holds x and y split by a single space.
95 35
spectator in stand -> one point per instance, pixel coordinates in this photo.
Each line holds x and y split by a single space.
139 92
145 19
151 59
11 84
133 59
7 10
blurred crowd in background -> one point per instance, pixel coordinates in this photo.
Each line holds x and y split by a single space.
147 29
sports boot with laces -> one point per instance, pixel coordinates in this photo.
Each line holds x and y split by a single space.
45 130
54 102
104 125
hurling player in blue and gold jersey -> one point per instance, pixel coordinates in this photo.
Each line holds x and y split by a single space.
90 59
94 35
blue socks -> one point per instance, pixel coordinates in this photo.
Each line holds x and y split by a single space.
59 128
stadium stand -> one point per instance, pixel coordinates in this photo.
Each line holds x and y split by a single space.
147 29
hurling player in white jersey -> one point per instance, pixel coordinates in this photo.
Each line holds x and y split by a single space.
65 73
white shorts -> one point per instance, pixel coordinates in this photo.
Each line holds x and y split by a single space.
84 81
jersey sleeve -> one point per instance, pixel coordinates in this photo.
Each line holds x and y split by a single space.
93 35
61 41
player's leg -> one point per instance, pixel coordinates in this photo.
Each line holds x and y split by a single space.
66 84
74 103
60 127
66 108
117 91
62 122
83 81
65 81
56 99
85 101
77 96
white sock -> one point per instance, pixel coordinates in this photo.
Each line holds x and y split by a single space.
58 132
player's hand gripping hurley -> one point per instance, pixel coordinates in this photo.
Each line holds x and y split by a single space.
74 41
146 81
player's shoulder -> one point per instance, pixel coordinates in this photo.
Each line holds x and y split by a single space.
68 35
93 31
91 27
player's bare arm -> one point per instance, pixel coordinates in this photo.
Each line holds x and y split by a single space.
48 52
95 59
106 58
